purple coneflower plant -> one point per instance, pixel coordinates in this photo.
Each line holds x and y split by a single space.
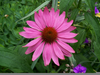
52 32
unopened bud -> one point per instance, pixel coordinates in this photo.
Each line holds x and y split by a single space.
72 65
71 70
66 69
67 65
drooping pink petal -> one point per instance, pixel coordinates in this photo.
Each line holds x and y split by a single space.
66 35
65 46
68 40
38 51
33 48
33 25
58 51
30 35
54 57
59 20
65 52
47 54
65 26
33 42
71 28
30 30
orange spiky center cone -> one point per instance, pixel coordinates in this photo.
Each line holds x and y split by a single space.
49 34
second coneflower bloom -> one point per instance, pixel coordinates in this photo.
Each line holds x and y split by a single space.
52 33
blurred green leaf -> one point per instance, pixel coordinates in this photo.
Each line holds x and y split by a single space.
65 5
74 13
97 49
12 59
34 63
81 38
16 70
80 18
96 27
91 4
80 58
40 66
94 24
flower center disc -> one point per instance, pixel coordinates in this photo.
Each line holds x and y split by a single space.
49 34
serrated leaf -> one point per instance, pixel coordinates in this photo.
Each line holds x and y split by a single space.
12 59
81 38
80 58
34 63
96 28
94 24
90 4
74 13
65 5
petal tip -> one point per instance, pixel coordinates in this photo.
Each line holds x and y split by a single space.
26 53
27 21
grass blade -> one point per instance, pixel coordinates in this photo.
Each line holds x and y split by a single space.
39 7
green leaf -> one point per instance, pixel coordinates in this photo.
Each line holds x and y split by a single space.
96 28
16 70
39 7
65 5
80 58
90 4
1 45
94 24
80 18
74 13
12 59
97 49
21 51
40 66
34 63
81 38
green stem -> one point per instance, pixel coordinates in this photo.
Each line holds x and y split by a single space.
87 62
54 4
93 62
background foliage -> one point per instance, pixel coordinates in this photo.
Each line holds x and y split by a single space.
13 17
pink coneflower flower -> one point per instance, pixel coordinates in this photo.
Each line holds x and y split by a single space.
52 33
